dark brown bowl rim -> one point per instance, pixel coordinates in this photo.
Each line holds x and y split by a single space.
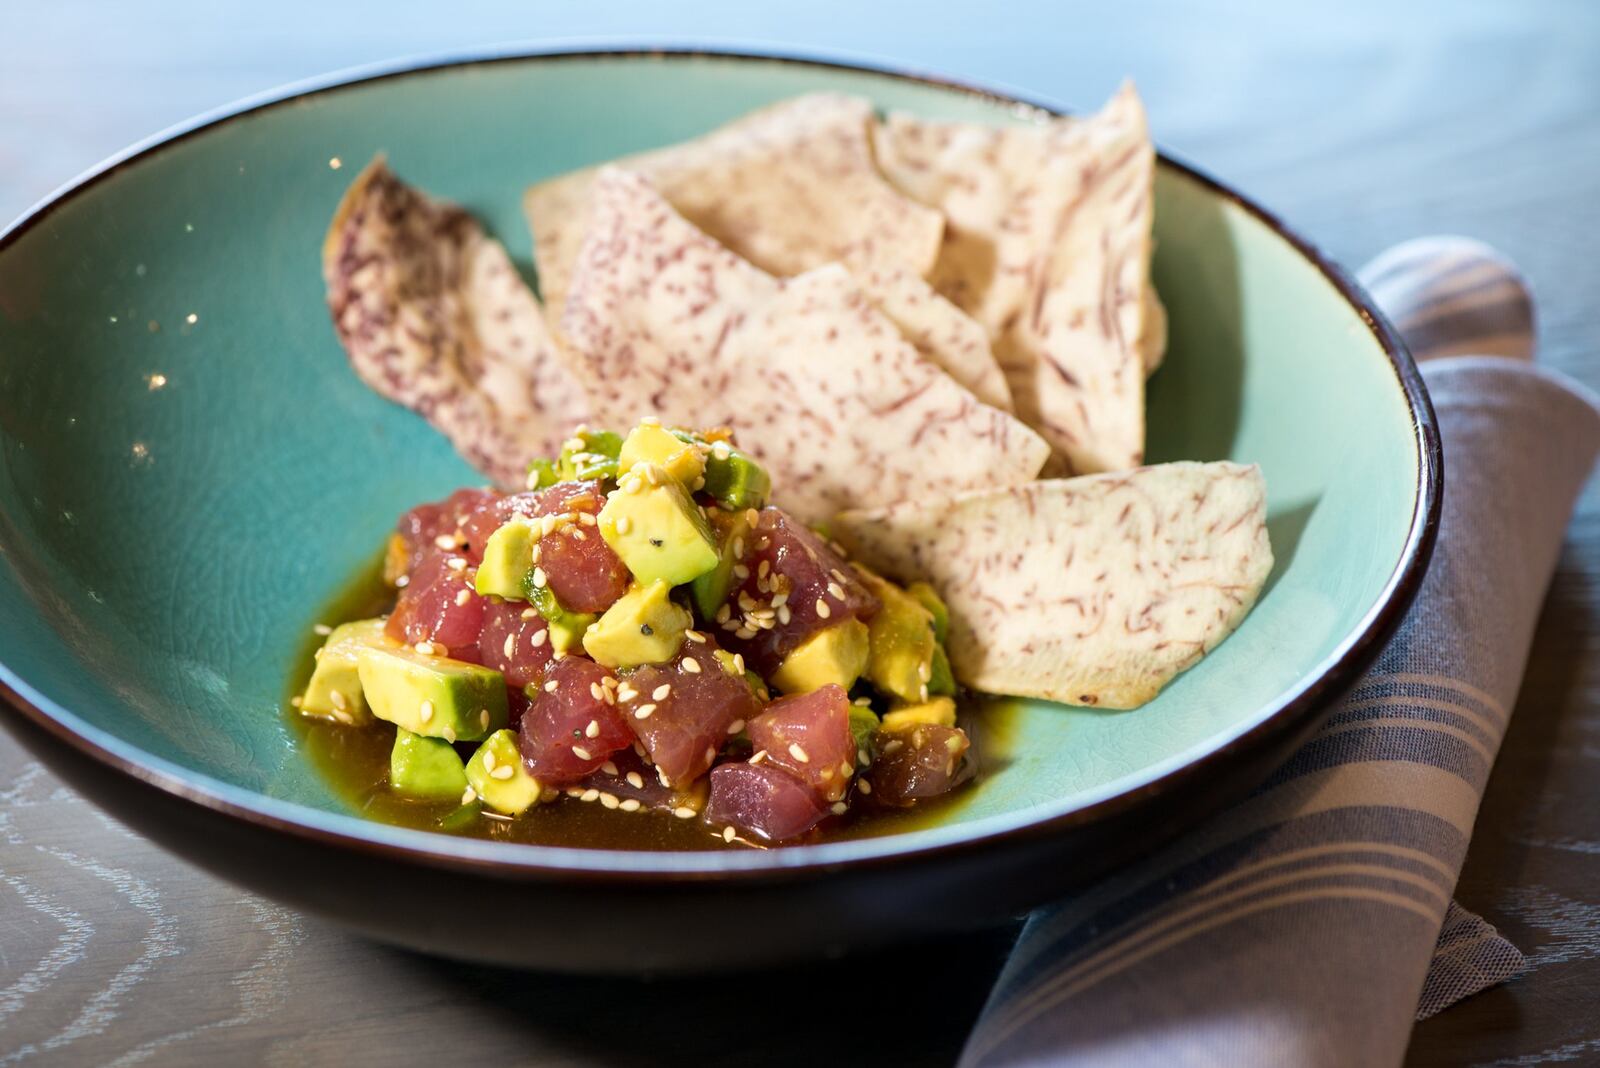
1293 713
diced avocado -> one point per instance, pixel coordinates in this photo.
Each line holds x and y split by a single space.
863 721
643 626
939 711
656 528
463 816
901 662
568 628
334 691
425 768
943 680
837 654
589 454
734 479
396 560
734 538
935 605
508 561
432 695
498 777
650 444
542 473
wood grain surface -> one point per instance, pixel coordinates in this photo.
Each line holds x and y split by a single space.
1364 123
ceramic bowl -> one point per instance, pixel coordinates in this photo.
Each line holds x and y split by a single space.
190 469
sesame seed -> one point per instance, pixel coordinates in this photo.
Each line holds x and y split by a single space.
402 582
953 743
590 794
592 730
724 613
661 692
457 563
596 692
609 800
836 590
580 535
779 600
741 572
738 663
711 753
643 711
744 632
425 648
344 717
468 796
765 568
581 753
661 777
720 450
892 745
652 474
449 734
636 780
684 812
839 808
538 639
425 713
510 646
761 754
624 524
798 753
488 760
323 629
784 615
338 700
691 665
296 701
504 771
550 687
549 794
823 611
736 726
629 804
922 691
574 444
752 516
539 578
609 768
695 636
586 518
483 718
632 484
825 774
463 596
864 786
727 833
528 613
445 541
925 670
626 693
738 547
558 654
846 769
864 702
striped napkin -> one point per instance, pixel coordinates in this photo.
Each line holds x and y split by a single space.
1312 924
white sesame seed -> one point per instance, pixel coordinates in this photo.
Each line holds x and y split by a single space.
580 535
539 578
590 794
922 691
661 777
953 743
864 702
338 700
762 571
581 753
724 613
711 753
449 734
425 713
720 450
784 615
691 665
463 596
736 726
402 582
609 768
457 563
608 800
297 701
488 760
586 518
550 687
741 572
510 646
839 808
779 600
592 730
596 692
468 796
825 774
425 648
727 833
660 693
752 516
635 780
823 611
761 754
684 812
864 786
632 484
538 639
925 670
626 693
643 711
738 663
798 753
846 769
836 590
629 804
445 541
744 632
892 745
504 771
738 547
483 718
695 636
323 629
528 613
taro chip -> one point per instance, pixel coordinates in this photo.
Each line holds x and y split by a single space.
822 388
1096 590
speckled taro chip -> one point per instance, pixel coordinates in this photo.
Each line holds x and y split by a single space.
433 315
1047 244
843 411
790 188
1096 590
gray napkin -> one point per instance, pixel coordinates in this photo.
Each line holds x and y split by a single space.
1312 924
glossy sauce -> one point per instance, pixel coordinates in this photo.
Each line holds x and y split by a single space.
355 761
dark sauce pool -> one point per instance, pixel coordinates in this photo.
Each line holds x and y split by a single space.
355 761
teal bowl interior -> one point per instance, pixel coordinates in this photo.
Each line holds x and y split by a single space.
190 469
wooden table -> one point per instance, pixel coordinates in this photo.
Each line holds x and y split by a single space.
1365 123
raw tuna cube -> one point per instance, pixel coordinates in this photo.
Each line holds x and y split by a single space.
515 641
582 570
794 586
916 763
685 710
808 735
571 728
439 605
762 800
423 526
